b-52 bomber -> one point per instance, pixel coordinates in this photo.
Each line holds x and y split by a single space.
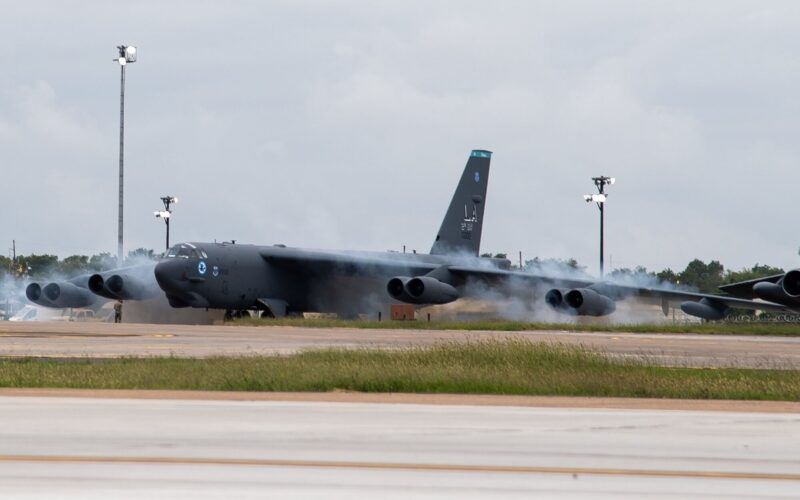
280 280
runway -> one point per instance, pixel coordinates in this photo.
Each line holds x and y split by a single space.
104 340
209 448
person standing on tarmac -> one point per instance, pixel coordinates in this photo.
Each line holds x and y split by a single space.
118 311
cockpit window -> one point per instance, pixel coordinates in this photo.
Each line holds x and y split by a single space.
184 252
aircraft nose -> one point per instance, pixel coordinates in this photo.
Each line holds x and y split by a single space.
169 273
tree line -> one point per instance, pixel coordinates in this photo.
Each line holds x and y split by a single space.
44 265
705 277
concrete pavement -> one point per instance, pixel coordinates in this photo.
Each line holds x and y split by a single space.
95 447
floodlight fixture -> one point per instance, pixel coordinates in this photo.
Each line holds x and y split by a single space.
597 198
127 54
166 214
130 53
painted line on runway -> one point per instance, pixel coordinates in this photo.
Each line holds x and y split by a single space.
333 464
557 402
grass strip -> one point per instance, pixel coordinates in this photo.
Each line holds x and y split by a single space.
721 328
491 367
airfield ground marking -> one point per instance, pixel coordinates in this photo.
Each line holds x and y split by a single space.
72 459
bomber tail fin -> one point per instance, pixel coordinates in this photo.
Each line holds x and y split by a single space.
461 228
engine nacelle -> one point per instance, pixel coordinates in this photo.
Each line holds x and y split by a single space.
791 283
773 292
421 290
97 284
128 287
705 308
121 286
396 287
65 294
587 302
555 299
429 290
34 293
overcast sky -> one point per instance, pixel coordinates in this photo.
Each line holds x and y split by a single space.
347 125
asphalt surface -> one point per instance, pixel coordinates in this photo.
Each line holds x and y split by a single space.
104 340
67 447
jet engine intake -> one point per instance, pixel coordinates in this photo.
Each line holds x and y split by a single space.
121 287
555 299
705 308
587 302
791 283
35 295
396 287
65 294
97 286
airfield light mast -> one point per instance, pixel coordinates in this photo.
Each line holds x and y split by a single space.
600 199
127 54
166 214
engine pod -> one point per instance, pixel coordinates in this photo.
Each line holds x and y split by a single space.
429 290
587 302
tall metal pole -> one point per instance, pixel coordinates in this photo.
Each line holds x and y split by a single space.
602 206
167 233
121 155
601 187
600 200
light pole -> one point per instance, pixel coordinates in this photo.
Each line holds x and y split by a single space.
600 199
127 54
166 214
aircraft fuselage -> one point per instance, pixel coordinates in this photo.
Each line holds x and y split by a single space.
241 276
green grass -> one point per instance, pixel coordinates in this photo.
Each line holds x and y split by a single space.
492 367
721 328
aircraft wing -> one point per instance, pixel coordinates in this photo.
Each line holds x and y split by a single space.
325 263
342 263
682 295
616 290
500 276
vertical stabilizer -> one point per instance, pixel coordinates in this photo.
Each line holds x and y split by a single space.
462 224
